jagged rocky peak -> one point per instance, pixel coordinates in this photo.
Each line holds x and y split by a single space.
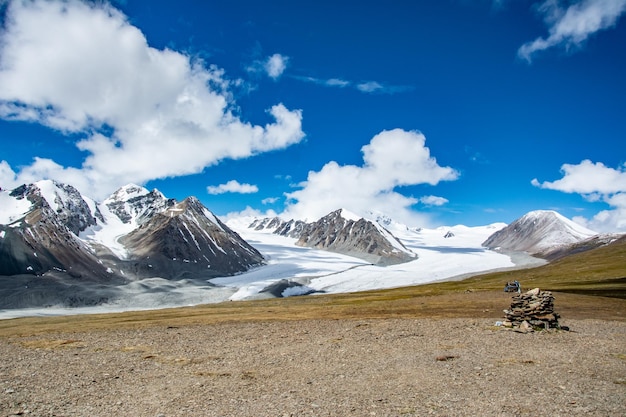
266 223
71 208
288 228
191 206
127 192
188 240
43 238
344 232
135 204
537 232
292 228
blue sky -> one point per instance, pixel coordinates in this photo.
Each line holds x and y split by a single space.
432 112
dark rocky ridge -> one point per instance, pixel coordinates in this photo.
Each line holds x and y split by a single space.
360 238
182 242
42 241
291 228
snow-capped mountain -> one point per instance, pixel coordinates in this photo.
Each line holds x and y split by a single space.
39 232
343 232
50 228
139 249
134 205
538 232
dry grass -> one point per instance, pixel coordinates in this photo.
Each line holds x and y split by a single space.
587 285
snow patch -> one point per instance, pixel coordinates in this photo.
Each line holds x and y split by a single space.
348 215
49 191
128 191
212 218
11 208
297 290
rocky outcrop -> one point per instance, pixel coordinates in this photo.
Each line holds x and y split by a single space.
356 237
290 228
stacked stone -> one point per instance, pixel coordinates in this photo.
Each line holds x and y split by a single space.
533 309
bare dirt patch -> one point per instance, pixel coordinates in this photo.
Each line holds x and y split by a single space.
427 350
360 367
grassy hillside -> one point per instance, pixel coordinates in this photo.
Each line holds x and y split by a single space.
586 285
601 271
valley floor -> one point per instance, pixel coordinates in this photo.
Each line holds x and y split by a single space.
359 367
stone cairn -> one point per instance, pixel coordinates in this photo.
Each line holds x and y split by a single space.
532 310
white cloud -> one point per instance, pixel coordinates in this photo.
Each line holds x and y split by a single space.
276 65
595 182
433 200
77 67
232 186
336 82
376 87
8 177
248 213
269 200
587 178
392 158
368 87
331 82
570 27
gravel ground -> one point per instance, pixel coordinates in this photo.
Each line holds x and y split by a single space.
390 367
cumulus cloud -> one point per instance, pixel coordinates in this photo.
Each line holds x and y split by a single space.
595 182
569 27
276 65
269 200
248 213
143 113
273 66
433 200
392 159
232 186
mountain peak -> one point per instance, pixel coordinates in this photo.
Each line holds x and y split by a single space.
347 214
539 231
128 192
345 232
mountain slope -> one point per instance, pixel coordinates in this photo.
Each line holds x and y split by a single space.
42 239
48 227
187 240
538 232
290 228
344 233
